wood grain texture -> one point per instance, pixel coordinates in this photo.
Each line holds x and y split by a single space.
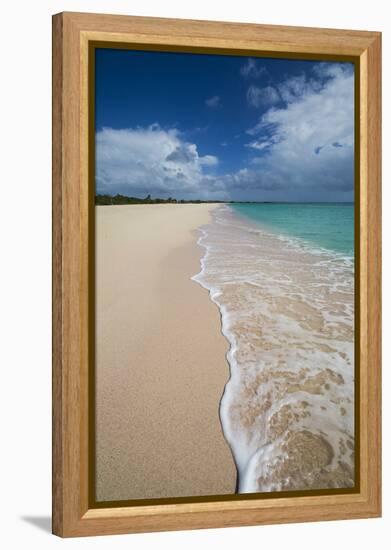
72 33
223 35
57 370
373 370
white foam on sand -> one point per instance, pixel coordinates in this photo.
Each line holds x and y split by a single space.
287 311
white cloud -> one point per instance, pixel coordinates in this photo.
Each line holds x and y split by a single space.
145 160
262 97
263 143
294 88
310 141
208 160
303 151
252 69
213 102
259 145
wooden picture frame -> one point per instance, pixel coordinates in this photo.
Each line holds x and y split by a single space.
73 35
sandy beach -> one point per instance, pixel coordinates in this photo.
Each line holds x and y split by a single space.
160 358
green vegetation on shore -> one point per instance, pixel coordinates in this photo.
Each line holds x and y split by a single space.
101 200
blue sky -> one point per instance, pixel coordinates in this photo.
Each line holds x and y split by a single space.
223 127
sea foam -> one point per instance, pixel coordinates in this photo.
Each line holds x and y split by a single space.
287 311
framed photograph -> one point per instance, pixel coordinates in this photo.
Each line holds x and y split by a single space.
216 274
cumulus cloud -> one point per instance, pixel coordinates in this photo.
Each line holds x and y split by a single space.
262 97
301 148
253 69
213 102
310 141
248 183
138 161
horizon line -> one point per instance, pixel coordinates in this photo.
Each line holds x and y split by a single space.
223 201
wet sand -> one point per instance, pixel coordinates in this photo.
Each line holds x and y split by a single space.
288 312
160 358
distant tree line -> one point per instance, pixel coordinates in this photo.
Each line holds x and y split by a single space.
101 200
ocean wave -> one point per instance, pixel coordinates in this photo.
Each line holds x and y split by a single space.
287 311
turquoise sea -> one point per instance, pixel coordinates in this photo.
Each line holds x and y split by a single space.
326 225
282 276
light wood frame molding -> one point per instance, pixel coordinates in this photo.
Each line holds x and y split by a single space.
72 34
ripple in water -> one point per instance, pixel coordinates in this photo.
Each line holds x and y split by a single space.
287 311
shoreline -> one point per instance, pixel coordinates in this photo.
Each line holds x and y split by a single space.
286 313
265 336
161 370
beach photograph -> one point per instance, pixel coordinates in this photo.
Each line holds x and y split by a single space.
224 301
